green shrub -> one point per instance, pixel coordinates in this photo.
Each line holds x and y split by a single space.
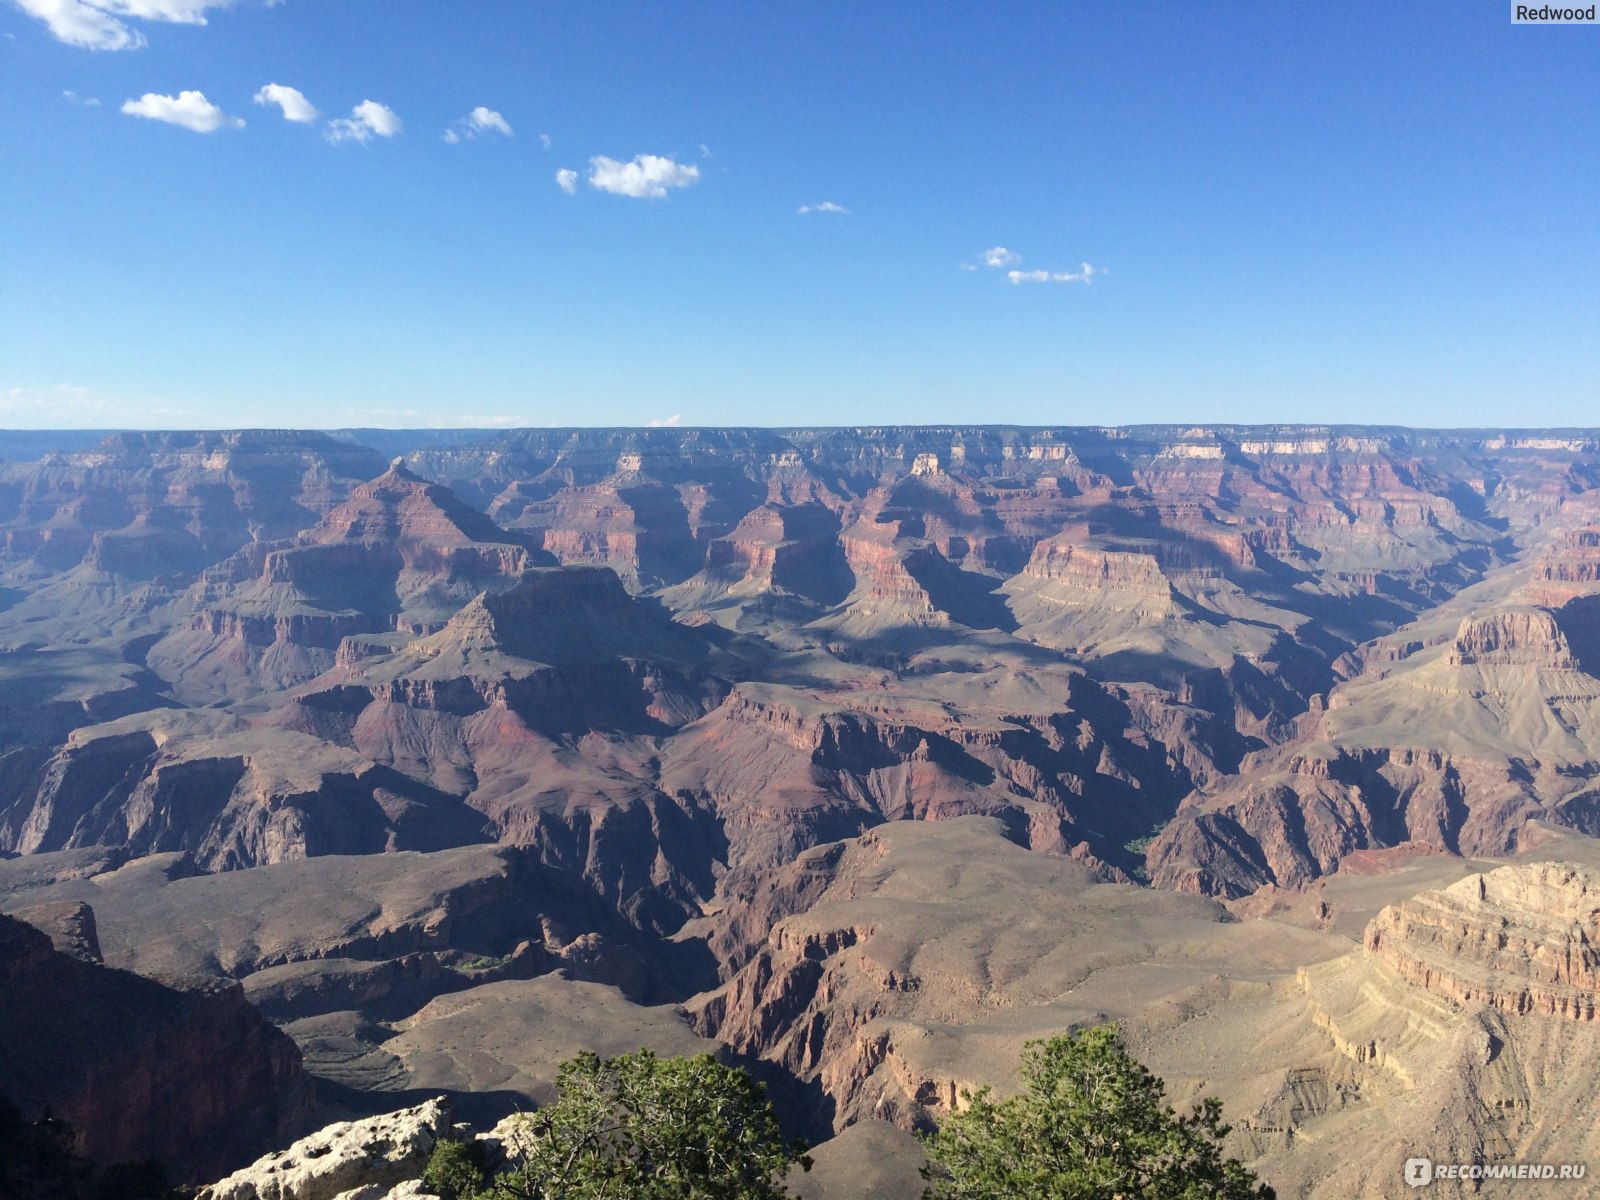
649 1128
1092 1124
456 1171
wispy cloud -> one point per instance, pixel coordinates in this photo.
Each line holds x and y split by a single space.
827 206
417 418
68 406
291 101
72 97
647 176
544 140
191 110
672 422
567 181
98 24
1084 274
476 123
1000 257
365 119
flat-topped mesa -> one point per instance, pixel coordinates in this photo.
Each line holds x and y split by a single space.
638 527
1523 939
1575 558
878 566
793 550
1092 568
1516 638
750 551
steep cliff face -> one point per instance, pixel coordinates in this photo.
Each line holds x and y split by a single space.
776 554
1528 639
193 1078
1523 939
228 795
1459 1016
1569 568
1294 815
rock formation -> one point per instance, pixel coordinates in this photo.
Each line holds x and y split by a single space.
349 1160
1524 939
189 1076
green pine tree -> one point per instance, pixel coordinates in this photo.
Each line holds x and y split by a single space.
647 1128
1091 1124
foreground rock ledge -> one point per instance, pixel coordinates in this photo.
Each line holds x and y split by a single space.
353 1160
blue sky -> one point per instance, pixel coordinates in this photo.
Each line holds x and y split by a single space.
1341 212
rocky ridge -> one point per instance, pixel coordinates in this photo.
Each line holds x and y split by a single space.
352 1160
183 1072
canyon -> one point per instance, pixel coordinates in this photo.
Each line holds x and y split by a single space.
410 765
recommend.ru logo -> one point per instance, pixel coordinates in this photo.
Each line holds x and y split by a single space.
1420 1172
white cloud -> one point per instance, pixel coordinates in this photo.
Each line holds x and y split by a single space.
705 150
486 120
365 119
189 109
97 24
293 103
479 121
417 418
999 256
827 206
544 140
648 176
67 406
1084 274
672 422
79 24
72 97
567 181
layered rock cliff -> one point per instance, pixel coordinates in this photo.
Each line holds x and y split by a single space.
191 1077
1523 939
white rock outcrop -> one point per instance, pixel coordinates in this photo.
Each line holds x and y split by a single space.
411 1189
371 1159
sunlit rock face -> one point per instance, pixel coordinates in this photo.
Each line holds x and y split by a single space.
1522 939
